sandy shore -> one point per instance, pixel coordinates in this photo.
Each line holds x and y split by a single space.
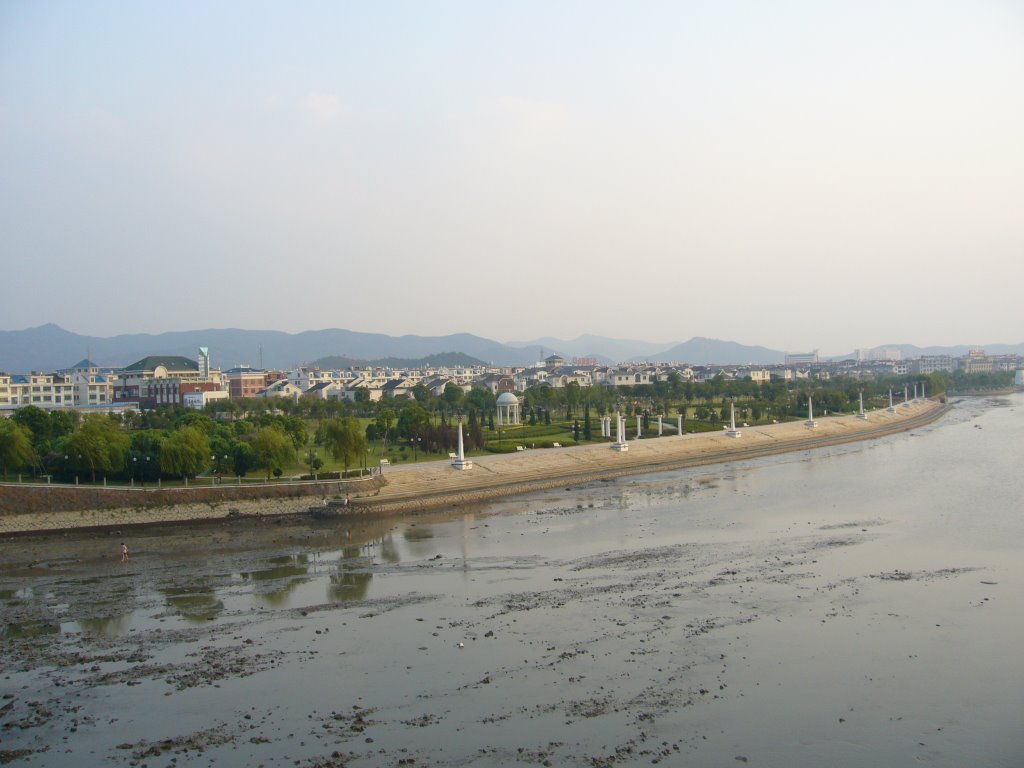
436 484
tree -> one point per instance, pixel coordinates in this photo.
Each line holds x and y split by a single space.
99 443
243 458
185 452
420 393
572 398
344 438
15 446
412 420
482 399
145 453
384 421
272 449
452 396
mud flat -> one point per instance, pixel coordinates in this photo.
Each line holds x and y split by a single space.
853 605
417 487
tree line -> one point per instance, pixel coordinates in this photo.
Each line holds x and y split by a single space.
166 443
236 437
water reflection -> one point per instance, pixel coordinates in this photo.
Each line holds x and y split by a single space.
343 587
351 581
109 626
286 573
420 541
195 605
27 629
388 551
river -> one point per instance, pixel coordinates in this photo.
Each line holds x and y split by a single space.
852 606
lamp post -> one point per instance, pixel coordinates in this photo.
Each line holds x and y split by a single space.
135 463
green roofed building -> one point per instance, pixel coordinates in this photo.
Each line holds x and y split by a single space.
164 380
160 366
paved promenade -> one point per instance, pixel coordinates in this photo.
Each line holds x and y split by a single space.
499 475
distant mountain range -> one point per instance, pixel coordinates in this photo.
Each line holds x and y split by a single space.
50 347
440 360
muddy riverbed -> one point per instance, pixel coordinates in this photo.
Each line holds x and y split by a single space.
859 605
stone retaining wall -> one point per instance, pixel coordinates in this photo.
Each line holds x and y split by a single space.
27 499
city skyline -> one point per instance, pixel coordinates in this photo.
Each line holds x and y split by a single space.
775 175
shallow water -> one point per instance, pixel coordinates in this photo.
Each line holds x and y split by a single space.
859 605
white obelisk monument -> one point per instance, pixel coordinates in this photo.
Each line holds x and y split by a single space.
460 461
810 413
732 431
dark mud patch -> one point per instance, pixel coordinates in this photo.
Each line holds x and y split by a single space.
636 560
941 573
195 743
854 524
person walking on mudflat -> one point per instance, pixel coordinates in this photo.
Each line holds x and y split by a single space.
124 553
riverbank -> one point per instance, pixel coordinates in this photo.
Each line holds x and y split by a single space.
437 485
805 609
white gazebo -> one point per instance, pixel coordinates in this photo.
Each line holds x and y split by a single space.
508 409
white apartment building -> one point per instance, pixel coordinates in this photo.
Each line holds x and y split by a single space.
38 389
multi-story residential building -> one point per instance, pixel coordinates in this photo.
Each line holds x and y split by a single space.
802 358
931 364
976 361
39 389
245 381
757 375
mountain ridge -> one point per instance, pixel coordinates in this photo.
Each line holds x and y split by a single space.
49 347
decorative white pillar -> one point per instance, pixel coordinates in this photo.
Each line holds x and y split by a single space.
810 413
680 427
659 426
620 428
892 408
861 414
460 461
732 432
639 431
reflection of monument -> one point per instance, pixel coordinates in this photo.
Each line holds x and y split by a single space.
508 409
620 444
810 413
460 461
732 431
861 414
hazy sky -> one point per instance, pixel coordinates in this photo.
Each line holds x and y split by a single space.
792 174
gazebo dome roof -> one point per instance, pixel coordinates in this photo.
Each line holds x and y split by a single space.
507 398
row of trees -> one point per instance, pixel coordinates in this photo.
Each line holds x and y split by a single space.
271 435
165 443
